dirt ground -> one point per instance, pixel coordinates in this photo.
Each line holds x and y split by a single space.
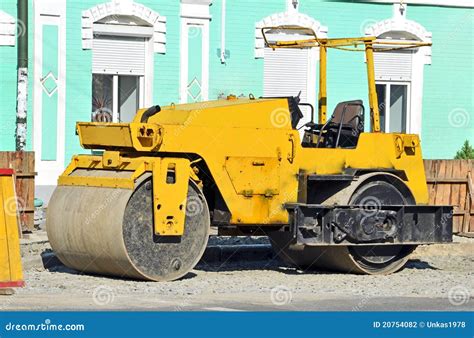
246 276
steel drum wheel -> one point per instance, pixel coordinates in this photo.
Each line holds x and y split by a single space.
109 231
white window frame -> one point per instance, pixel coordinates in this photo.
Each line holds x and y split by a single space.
388 85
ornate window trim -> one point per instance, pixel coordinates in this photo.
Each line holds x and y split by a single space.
285 18
124 7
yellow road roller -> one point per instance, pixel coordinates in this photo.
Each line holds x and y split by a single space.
333 198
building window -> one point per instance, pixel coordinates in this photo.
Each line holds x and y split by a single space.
291 72
394 103
122 68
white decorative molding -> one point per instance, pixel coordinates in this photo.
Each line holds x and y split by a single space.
8 29
285 18
128 8
399 23
405 29
198 9
48 78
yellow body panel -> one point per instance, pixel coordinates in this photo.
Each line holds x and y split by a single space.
11 273
248 132
132 136
170 201
253 154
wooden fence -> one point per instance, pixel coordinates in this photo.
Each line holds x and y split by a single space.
23 162
450 183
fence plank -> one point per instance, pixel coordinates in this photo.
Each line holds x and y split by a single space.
450 182
23 162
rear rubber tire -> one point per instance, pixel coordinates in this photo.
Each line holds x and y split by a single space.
385 189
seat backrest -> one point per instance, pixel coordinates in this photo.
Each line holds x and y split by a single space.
349 113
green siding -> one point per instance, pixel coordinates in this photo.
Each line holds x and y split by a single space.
50 94
79 66
242 73
448 86
7 97
448 116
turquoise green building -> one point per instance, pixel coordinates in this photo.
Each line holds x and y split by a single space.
113 57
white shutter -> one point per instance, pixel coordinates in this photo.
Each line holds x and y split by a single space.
393 66
285 72
118 55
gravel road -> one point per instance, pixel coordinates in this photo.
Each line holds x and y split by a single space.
438 277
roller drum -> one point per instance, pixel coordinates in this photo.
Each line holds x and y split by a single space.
374 188
110 231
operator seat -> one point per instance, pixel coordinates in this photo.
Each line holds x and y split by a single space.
341 130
